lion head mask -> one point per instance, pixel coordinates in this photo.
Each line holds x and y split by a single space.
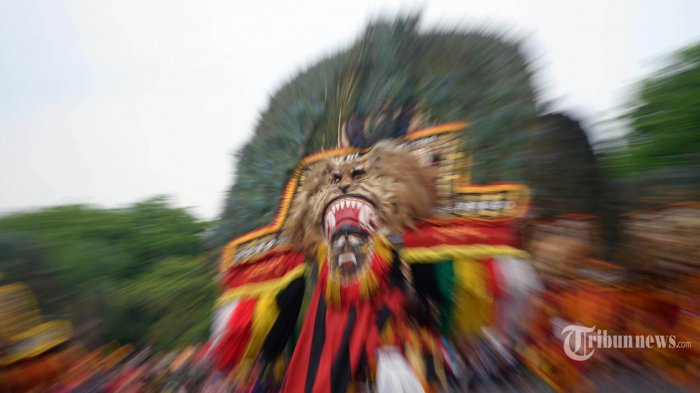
344 204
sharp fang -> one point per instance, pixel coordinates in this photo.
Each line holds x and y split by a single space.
330 221
364 216
347 257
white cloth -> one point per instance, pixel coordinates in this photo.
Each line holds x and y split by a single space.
521 284
220 321
394 375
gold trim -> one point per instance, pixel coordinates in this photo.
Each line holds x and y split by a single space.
33 311
64 331
327 154
259 288
523 203
445 252
494 188
439 129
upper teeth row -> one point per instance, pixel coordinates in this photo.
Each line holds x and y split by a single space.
367 216
351 203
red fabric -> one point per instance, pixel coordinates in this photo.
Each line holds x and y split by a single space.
272 265
235 340
336 320
364 338
461 232
395 300
202 352
495 287
493 282
298 366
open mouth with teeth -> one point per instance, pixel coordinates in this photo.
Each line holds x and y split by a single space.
350 213
349 223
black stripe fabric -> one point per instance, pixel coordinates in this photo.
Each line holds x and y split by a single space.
383 316
289 303
396 277
319 337
362 367
341 369
430 373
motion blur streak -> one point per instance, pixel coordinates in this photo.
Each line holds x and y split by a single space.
122 300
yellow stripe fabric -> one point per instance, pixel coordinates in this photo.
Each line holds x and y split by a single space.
472 299
444 252
264 316
270 287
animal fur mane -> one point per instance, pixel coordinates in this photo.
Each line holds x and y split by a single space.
401 189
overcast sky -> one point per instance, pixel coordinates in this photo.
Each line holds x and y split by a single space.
110 102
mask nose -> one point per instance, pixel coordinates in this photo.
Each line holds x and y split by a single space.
344 188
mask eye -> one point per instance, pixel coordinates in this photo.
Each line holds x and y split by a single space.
336 178
354 240
339 242
358 172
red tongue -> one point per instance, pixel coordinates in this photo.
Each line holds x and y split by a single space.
347 266
346 216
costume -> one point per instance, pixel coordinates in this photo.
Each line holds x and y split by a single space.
33 352
392 259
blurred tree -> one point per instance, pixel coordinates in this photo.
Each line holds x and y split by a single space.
23 257
80 259
665 119
658 161
180 291
563 170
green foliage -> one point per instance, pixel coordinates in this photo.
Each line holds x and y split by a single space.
180 292
394 68
665 119
87 264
